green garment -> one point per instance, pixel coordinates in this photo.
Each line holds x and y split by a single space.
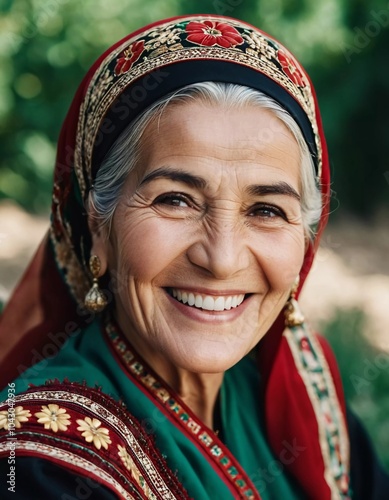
86 357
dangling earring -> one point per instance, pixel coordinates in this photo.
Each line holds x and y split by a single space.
95 300
293 314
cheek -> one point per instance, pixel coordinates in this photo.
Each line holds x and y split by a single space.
281 258
145 247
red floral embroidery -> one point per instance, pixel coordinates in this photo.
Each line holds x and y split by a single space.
129 56
290 68
211 33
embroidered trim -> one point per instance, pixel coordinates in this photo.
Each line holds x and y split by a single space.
171 42
92 432
13 418
68 424
205 438
53 417
315 373
35 448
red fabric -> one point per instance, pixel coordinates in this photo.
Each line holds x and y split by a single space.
289 414
329 355
211 33
42 305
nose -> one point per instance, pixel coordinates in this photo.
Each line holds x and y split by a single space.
221 250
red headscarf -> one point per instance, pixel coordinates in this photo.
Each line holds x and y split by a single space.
302 390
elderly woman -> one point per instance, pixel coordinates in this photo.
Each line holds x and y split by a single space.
156 340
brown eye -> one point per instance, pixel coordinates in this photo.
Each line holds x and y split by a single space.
173 199
267 212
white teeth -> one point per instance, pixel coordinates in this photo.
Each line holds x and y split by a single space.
219 304
198 301
191 299
207 302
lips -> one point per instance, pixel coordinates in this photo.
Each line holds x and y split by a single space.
207 302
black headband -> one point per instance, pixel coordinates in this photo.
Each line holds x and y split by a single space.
146 90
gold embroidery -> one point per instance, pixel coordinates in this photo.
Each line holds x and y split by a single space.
101 94
92 432
53 417
74 274
333 438
14 418
125 458
67 457
82 403
135 473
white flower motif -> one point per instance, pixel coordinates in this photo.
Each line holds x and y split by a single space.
125 458
92 432
130 465
20 415
53 417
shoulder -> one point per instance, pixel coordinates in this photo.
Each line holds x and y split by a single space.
76 358
79 432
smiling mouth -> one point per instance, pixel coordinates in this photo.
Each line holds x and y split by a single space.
207 302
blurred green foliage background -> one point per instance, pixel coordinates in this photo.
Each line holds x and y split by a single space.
46 46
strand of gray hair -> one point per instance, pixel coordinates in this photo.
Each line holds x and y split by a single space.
125 153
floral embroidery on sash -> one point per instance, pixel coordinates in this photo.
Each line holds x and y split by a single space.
53 417
13 418
89 433
93 433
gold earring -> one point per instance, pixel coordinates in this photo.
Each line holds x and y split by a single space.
293 314
95 300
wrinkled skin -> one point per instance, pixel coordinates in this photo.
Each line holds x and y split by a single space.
214 231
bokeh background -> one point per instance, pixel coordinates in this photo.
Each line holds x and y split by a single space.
46 46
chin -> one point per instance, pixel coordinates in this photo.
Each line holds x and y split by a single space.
215 360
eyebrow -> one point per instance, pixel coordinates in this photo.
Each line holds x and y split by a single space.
280 188
175 175
277 188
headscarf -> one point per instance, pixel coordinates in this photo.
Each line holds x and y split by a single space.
302 395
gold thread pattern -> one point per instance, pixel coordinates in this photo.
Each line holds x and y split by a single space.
333 438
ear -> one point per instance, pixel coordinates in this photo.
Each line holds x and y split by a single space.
99 235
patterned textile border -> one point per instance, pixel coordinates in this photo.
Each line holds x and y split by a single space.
77 420
205 438
174 41
315 373
34 448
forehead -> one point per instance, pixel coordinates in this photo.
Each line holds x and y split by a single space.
207 137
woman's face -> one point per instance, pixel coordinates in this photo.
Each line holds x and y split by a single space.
207 238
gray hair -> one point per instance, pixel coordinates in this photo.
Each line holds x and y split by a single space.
124 154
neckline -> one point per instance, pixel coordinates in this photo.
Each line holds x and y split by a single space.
156 389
